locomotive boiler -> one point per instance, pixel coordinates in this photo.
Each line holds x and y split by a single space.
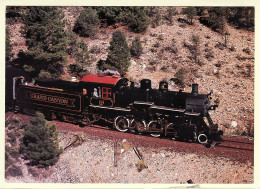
156 112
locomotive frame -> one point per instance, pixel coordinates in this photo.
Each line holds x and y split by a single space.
157 112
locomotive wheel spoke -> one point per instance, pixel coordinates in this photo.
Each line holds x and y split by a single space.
139 125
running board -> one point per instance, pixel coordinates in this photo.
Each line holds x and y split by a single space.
111 108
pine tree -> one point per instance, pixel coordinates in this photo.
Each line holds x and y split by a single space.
136 49
138 19
87 22
82 58
242 16
8 46
40 142
45 38
191 12
119 54
110 15
217 18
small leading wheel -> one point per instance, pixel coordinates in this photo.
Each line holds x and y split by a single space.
121 123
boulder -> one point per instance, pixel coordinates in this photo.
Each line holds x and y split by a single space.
233 124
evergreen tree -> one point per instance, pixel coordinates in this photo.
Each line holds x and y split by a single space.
40 142
243 17
170 12
138 19
110 15
45 38
82 58
8 46
191 12
136 49
87 22
119 54
73 38
217 18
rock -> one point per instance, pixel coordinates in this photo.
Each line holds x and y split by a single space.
215 71
162 154
233 124
133 62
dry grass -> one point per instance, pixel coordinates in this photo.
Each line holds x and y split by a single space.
141 165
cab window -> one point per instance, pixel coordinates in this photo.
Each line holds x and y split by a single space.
106 93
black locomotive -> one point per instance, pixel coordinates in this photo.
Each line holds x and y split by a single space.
157 112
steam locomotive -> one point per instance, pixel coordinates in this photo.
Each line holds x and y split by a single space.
155 112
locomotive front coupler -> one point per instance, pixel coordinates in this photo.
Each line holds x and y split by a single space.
215 137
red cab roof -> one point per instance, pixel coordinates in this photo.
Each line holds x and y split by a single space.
105 79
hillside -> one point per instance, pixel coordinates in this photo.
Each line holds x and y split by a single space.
227 70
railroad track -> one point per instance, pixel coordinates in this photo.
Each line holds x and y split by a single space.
234 148
237 143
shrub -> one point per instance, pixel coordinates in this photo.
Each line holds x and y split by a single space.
28 68
180 76
44 74
170 12
156 45
87 22
217 101
164 68
160 37
171 49
194 48
14 171
136 49
40 142
209 54
247 50
8 45
95 50
157 20
232 49
152 62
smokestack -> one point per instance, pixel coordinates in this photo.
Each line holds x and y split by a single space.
195 89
